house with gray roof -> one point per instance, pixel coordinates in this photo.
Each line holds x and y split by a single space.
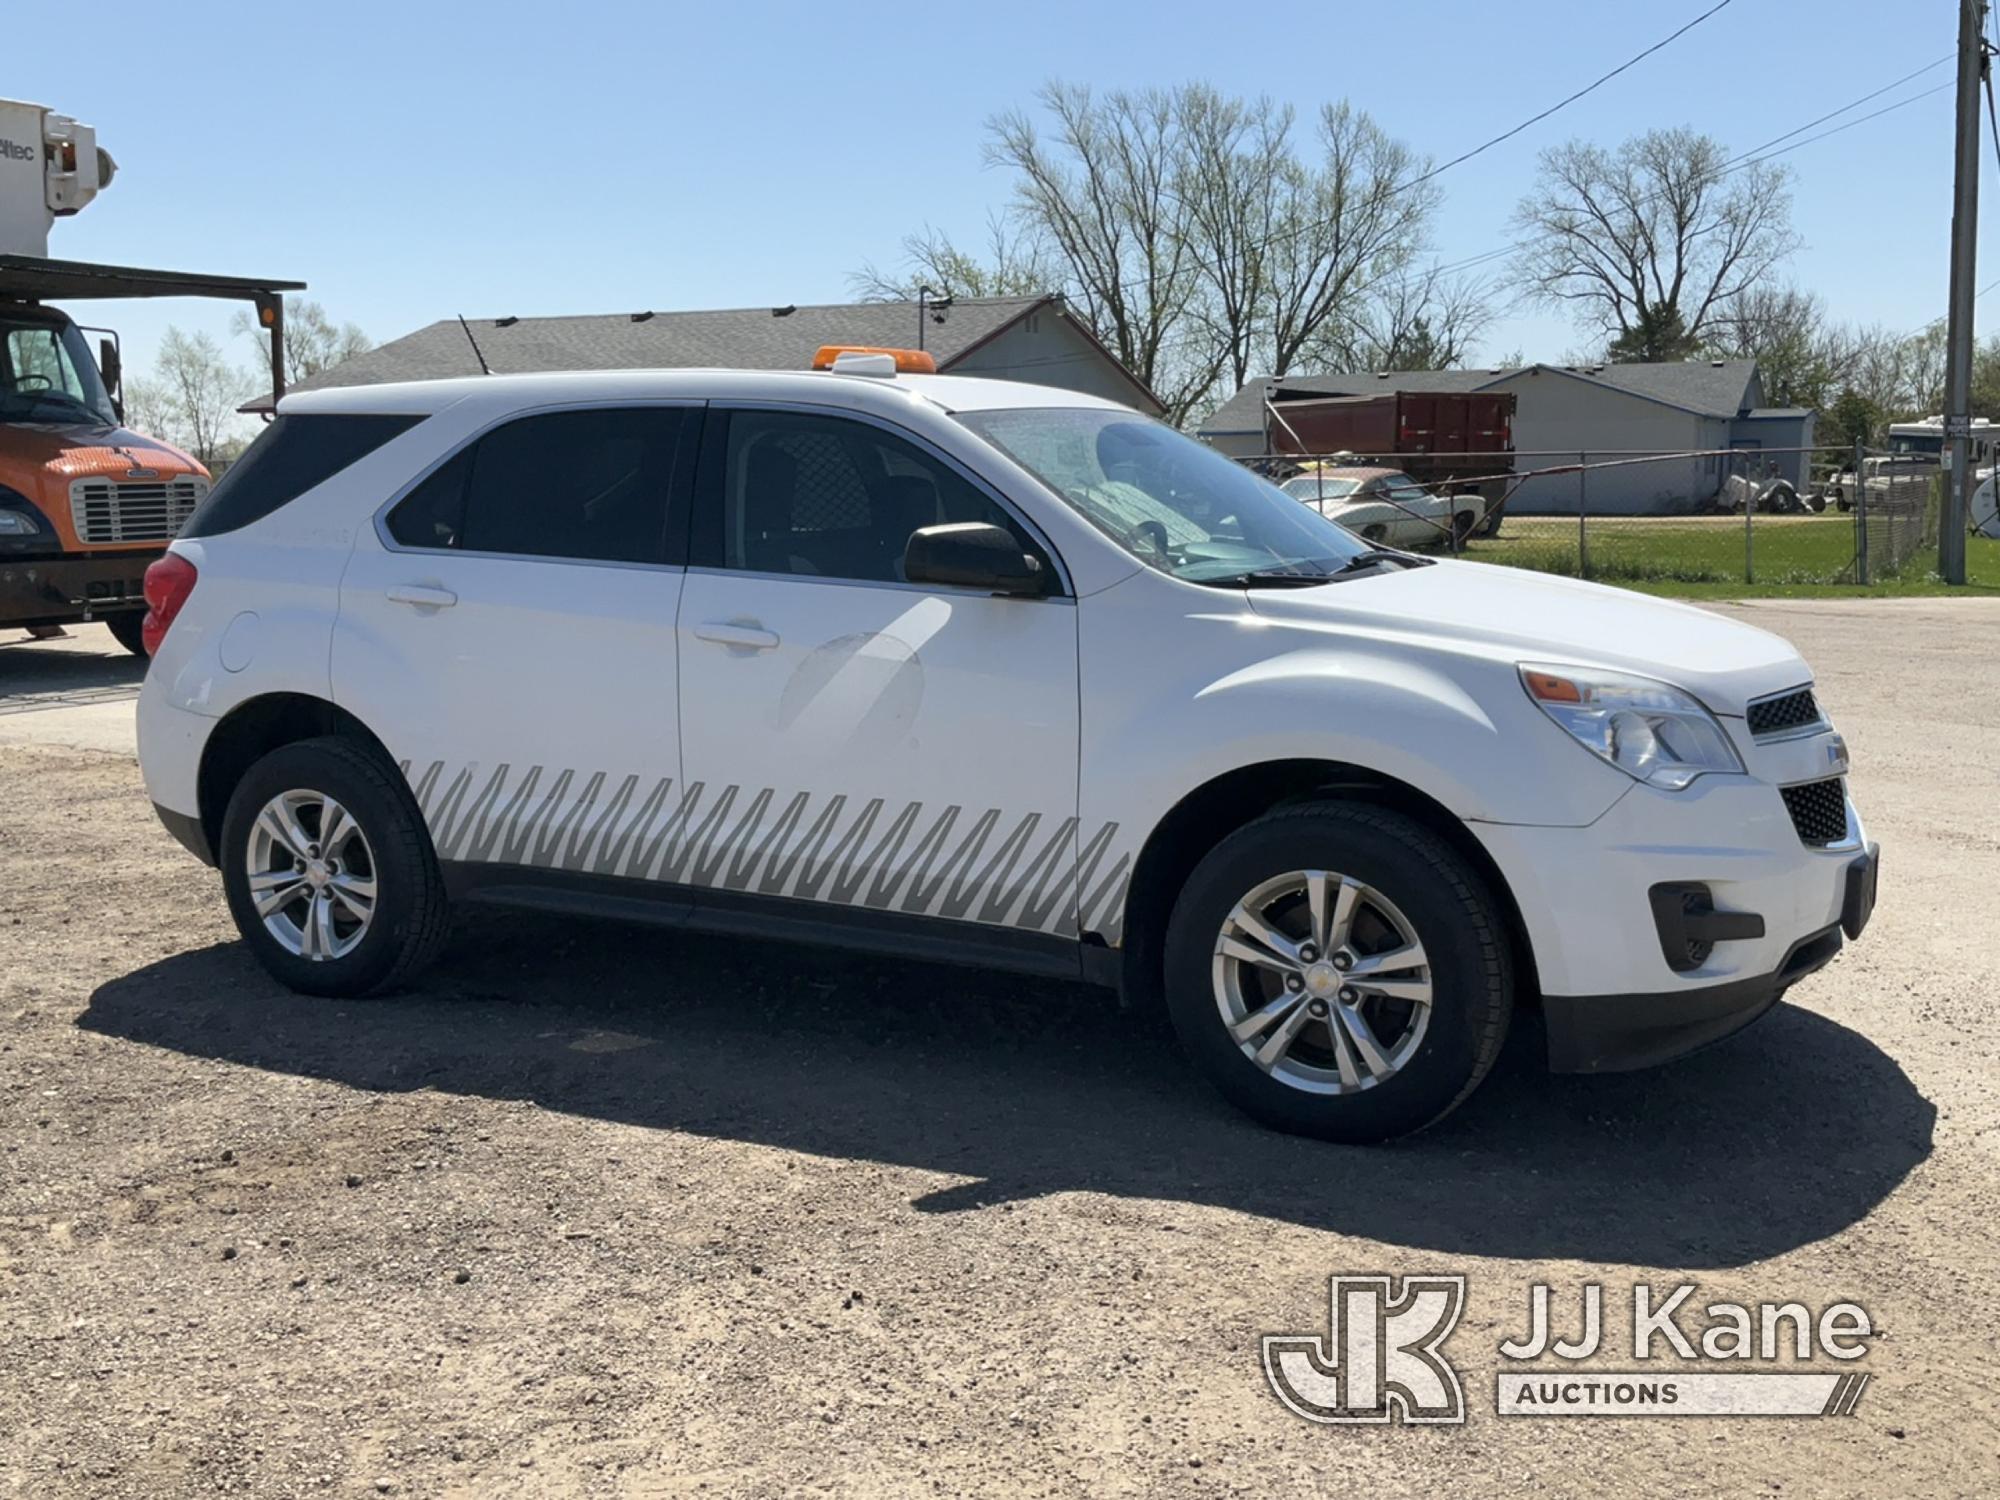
1566 414
1035 339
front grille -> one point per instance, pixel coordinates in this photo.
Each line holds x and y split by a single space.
1783 713
133 510
1818 809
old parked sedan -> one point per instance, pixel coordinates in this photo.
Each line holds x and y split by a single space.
1385 505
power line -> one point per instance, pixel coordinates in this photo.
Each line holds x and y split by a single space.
1396 189
1851 104
1752 157
1565 103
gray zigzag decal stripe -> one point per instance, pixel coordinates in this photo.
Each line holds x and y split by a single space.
695 839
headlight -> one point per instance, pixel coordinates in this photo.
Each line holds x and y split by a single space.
18 517
1652 732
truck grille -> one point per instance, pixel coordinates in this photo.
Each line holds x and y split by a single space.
1818 809
1784 713
133 510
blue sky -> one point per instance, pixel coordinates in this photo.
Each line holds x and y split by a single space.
415 160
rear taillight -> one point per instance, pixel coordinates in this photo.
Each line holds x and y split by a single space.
168 584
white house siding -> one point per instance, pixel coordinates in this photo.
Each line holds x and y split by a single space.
1560 420
1045 348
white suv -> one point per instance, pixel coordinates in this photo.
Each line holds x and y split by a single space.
983 671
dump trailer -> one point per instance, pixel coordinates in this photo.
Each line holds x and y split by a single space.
86 503
1449 441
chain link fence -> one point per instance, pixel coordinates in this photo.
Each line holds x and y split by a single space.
1749 515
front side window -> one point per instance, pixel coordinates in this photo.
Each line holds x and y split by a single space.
590 485
828 497
47 375
1173 503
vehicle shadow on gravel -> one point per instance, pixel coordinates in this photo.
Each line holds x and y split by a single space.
1779 1137
33 667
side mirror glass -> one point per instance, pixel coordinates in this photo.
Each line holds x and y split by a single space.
973 555
109 365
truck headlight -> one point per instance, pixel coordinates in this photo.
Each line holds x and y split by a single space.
1651 731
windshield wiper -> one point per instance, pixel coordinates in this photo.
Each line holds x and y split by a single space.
1377 555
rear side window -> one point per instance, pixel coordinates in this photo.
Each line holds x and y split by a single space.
289 457
591 485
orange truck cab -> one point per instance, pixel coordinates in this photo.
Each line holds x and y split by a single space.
85 502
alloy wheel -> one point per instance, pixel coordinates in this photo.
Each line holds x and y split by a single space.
1322 982
312 875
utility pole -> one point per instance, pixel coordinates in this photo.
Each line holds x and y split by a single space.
1964 235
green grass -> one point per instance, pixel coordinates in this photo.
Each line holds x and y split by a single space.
1807 557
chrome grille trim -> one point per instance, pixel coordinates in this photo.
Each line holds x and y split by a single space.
133 510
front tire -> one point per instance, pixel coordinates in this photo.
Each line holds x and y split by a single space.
329 870
1337 970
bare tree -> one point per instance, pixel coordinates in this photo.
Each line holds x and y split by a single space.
1348 227
1188 230
1234 173
1799 353
192 395
1016 264
1423 321
1646 244
1102 193
313 341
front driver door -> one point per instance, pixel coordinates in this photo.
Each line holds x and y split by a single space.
852 738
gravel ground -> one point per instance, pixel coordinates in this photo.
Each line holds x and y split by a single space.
602 1212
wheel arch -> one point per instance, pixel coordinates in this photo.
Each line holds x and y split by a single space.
1221 805
252 730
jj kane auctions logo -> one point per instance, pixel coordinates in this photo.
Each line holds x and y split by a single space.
1382 1358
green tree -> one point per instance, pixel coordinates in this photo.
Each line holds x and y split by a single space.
1656 332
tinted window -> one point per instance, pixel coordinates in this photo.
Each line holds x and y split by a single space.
827 497
288 458
591 485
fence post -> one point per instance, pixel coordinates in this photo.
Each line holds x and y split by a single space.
1860 520
1749 527
1582 510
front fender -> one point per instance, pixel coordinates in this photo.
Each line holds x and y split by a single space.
1168 707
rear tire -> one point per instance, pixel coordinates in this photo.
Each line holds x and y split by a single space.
128 629
326 835
1403 891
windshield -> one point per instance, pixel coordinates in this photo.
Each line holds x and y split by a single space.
1173 503
47 374
1307 487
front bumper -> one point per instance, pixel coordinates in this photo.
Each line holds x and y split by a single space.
64 590
1615 1033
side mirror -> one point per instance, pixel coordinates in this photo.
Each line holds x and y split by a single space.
109 365
973 555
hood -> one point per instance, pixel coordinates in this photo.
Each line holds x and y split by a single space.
1513 615
74 450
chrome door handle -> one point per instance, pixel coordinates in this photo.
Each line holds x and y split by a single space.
420 595
731 633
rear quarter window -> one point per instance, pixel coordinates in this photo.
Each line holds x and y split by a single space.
288 458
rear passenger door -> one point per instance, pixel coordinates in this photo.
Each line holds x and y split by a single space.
853 738
507 628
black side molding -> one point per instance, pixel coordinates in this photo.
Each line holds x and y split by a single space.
786 919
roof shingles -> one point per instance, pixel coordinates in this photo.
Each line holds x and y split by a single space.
753 338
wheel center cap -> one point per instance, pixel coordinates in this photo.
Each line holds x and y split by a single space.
317 874
1322 979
